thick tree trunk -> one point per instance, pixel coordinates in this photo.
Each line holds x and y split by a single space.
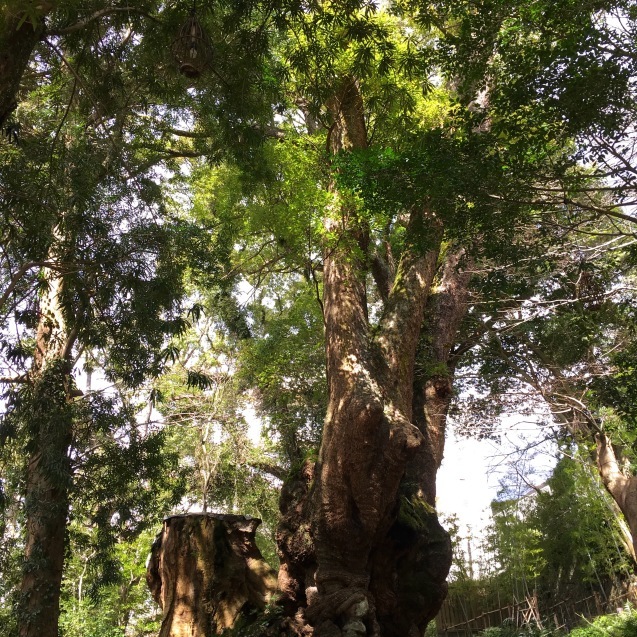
417 548
18 37
419 561
344 565
48 478
206 572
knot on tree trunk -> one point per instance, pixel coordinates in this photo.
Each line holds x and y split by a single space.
335 604
409 569
205 571
439 387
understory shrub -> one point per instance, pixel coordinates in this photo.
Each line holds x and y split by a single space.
512 631
623 624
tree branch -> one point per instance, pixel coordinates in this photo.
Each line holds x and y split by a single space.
15 279
6 380
402 319
382 275
612 476
274 470
78 26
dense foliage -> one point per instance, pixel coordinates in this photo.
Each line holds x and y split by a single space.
165 237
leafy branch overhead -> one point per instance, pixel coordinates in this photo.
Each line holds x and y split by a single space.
350 214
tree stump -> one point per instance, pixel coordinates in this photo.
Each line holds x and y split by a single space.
205 571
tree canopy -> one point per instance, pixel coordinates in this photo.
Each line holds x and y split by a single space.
350 212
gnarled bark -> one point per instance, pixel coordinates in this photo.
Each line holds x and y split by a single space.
206 572
417 552
343 566
294 540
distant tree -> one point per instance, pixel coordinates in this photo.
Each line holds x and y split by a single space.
558 543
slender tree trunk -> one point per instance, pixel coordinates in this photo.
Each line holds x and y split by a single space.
622 488
570 412
339 569
50 426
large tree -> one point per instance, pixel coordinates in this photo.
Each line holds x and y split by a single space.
361 548
92 261
419 179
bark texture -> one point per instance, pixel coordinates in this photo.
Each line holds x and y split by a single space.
353 525
49 470
446 308
294 541
206 572
418 546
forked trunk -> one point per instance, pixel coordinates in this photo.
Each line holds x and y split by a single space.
356 525
420 549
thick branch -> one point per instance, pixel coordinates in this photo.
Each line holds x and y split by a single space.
271 469
8 380
613 478
18 38
402 319
609 211
15 279
622 488
344 296
348 131
448 304
433 382
382 276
